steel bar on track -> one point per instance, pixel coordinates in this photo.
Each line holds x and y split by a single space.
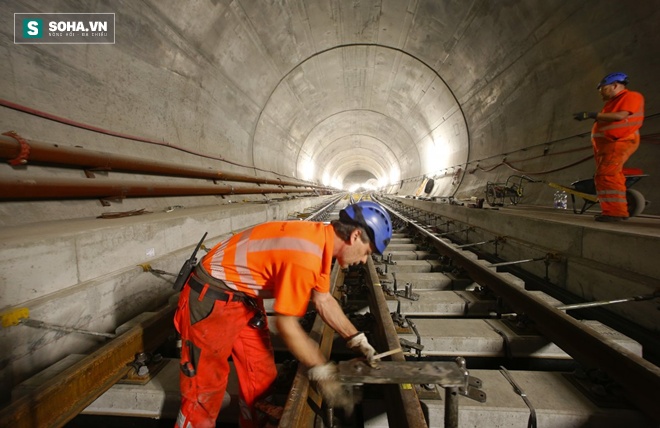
639 378
404 407
63 397
298 412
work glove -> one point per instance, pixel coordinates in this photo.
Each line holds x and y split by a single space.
584 115
360 344
333 392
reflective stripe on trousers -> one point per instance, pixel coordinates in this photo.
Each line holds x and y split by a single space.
213 331
610 182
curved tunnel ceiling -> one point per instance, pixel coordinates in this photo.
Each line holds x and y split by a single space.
359 107
442 89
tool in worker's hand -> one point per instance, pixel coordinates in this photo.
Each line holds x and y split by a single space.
386 354
373 361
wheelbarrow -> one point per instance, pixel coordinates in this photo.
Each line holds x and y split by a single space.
586 189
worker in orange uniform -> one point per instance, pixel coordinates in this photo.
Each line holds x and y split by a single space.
615 137
221 314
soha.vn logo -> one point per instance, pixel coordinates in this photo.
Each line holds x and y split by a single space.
33 28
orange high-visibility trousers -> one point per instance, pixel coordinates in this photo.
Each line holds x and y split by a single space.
212 331
610 182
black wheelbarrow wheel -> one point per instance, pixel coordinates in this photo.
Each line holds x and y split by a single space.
636 202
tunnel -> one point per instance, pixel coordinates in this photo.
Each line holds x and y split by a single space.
119 152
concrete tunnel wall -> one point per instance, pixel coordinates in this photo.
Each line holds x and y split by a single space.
315 90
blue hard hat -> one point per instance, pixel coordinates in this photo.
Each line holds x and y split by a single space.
374 219
612 78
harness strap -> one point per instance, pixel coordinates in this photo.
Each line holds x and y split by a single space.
211 291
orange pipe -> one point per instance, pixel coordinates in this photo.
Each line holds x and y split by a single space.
72 188
76 157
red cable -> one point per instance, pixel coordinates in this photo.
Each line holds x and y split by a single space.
69 122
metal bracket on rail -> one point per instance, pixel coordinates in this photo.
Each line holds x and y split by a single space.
474 244
467 229
145 366
445 223
473 388
407 293
452 376
547 259
397 318
394 290
408 346
419 346
385 284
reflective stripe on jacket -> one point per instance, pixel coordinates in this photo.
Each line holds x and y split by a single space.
632 102
284 260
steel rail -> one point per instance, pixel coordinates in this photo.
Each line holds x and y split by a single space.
298 411
404 407
323 210
304 404
64 396
639 378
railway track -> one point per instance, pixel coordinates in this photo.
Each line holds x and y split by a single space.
525 361
468 345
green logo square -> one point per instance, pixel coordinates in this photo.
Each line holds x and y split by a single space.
33 28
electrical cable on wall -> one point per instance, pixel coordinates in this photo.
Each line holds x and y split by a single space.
65 121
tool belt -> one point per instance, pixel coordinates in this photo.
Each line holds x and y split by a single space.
217 289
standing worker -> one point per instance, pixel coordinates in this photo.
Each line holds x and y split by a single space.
615 137
221 313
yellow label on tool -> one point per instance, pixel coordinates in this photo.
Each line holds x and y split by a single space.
406 386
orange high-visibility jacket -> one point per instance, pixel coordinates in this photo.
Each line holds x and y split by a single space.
632 102
284 260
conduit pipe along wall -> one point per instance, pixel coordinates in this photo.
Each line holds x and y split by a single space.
29 151
14 189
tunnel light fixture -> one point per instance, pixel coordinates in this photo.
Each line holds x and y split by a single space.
307 169
438 152
395 175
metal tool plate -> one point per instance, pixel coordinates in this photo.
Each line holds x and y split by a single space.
445 374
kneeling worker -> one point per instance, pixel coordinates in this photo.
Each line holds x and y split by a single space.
221 314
